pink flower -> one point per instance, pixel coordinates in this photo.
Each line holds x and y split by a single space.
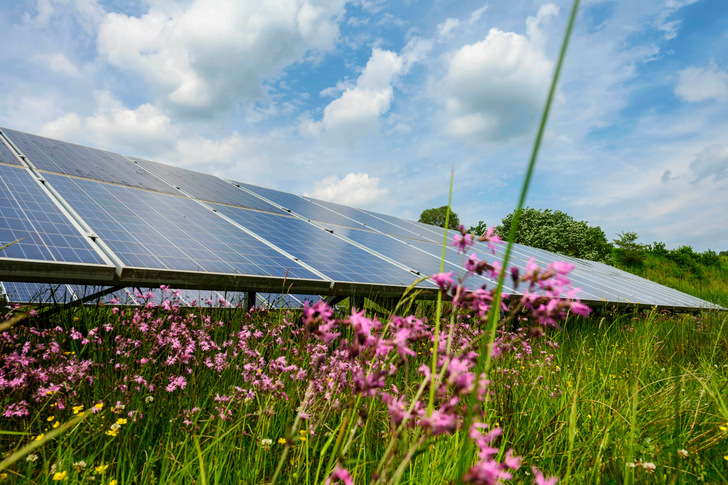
444 280
540 480
340 475
463 242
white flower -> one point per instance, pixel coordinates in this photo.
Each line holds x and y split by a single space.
682 453
630 464
266 443
79 466
31 458
649 467
149 399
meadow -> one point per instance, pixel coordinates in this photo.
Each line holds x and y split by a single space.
172 394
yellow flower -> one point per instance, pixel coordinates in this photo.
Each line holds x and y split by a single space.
59 476
724 428
56 424
99 406
3 476
77 409
112 482
39 437
281 441
113 432
121 421
303 438
101 468
50 418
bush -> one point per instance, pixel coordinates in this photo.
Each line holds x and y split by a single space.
558 232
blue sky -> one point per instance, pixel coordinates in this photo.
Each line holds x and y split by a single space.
371 103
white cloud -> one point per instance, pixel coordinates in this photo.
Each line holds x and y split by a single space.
116 127
212 53
446 29
495 89
669 27
59 63
712 161
356 189
699 84
357 110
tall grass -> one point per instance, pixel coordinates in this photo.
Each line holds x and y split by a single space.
585 403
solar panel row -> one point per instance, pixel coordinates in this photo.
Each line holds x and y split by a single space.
161 220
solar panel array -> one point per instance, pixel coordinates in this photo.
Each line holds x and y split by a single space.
84 215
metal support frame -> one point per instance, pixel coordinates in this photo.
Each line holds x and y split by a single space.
250 297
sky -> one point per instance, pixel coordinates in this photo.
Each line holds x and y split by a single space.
374 104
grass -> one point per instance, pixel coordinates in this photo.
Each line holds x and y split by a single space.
580 403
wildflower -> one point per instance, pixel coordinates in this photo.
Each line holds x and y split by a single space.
340 475
121 421
31 458
77 409
649 467
39 437
56 424
101 469
50 418
149 399
682 453
112 482
3 476
724 428
58 476
113 429
79 466
540 480
265 443
99 406
281 441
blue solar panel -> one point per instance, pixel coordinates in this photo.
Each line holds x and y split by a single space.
66 158
7 156
419 255
354 218
151 230
301 206
207 187
337 259
17 292
27 213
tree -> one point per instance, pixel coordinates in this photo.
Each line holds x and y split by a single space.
478 230
436 217
628 250
558 232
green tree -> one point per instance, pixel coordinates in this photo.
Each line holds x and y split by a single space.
436 217
629 251
478 230
558 232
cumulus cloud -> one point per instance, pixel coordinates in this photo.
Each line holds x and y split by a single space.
115 126
211 53
356 189
712 161
357 110
495 88
59 63
699 84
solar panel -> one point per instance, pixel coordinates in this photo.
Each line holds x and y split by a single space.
27 213
206 187
7 156
66 158
20 292
351 217
301 206
334 257
151 230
